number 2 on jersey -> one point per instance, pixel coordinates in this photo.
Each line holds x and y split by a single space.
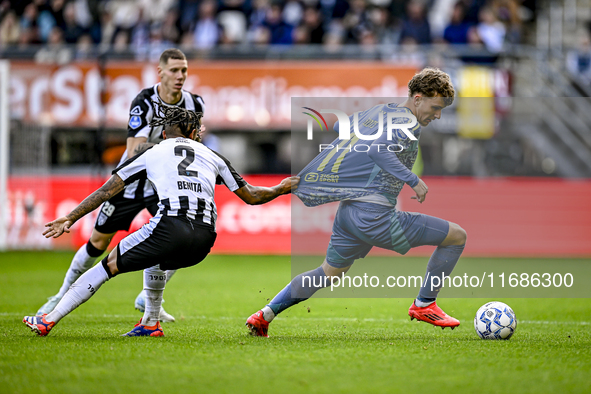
189 158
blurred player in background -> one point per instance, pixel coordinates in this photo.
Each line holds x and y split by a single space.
181 234
118 213
368 186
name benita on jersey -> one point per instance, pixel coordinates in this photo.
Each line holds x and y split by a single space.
185 186
196 187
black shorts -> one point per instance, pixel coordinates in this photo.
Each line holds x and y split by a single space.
173 242
118 212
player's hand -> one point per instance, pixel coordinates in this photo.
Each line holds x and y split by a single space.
421 190
58 227
289 184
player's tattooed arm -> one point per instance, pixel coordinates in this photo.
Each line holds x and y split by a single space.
255 195
133 143
62 225
113 186
142 147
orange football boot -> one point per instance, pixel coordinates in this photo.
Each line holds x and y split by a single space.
38 324
257 325
434 315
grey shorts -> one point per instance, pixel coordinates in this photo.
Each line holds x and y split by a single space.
359 226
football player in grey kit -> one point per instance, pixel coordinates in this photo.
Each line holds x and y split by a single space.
369 182
184 173
118 213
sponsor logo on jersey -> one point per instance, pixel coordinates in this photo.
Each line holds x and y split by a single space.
135 122
329 178
311 177
136 110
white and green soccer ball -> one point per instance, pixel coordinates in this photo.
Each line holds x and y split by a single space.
495 320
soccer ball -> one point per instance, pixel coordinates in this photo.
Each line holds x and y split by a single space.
495 320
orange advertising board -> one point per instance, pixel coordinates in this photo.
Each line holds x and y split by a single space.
502 216
237 94
34 201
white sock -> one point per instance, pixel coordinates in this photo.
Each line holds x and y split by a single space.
422 304
80 292
169 274
79 265
154 282
268 314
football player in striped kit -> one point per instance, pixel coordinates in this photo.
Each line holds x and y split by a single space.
118 212
181 233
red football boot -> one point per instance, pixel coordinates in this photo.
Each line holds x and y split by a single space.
432 314
38 324
257 325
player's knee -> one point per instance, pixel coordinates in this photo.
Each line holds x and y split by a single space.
459 235
100 244
100 241
463 235
112 267
331 271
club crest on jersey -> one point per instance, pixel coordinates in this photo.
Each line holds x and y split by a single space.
136 110
102 219
135 122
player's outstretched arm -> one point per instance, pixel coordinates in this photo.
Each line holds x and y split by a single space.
56 228
255 195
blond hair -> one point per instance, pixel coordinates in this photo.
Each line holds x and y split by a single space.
430 82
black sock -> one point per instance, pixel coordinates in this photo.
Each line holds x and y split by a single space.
92 251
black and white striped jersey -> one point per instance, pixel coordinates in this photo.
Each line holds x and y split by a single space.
184 173
141 113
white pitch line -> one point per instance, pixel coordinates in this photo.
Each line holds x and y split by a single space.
14 314
310 318
578 323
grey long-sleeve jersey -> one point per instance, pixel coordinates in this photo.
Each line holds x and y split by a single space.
355 168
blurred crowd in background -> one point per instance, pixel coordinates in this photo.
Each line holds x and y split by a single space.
553 58
141 26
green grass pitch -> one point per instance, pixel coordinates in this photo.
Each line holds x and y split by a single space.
321 345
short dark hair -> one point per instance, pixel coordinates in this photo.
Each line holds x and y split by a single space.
430 82
172 53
